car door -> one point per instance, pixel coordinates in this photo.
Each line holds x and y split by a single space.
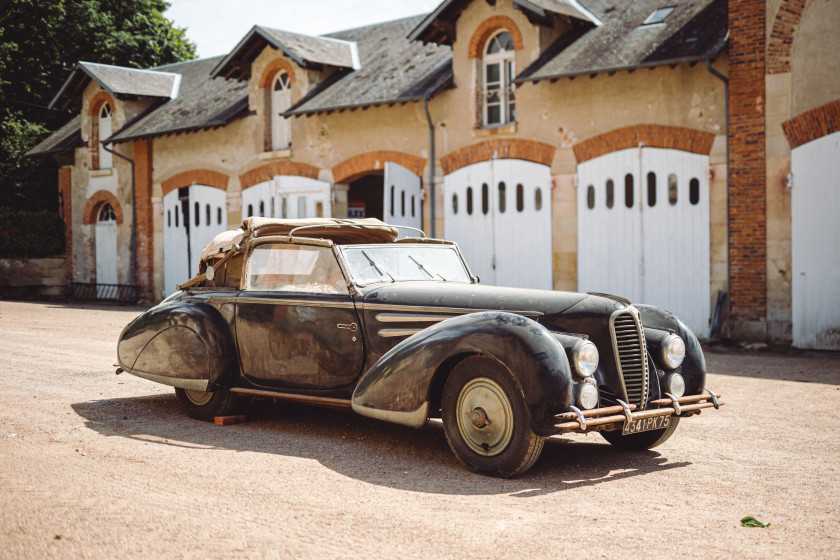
296 322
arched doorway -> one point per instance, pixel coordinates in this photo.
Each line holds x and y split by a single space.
106 249
393 195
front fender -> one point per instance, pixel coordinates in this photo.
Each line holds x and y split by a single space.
185 344
693 368
397 388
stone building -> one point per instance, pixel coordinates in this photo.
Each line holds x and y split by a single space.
565 144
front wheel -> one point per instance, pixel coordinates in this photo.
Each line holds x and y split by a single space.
642 440
486 420
206 405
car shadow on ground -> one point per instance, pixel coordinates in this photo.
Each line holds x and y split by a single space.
365 449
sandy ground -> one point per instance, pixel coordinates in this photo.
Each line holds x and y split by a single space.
94 465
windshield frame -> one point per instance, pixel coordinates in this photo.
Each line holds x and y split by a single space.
340 249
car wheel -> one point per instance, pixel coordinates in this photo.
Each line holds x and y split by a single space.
206 405
486 420
642 440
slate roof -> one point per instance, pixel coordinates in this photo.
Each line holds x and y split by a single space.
694 30
204 103
117 81
393 69
65 138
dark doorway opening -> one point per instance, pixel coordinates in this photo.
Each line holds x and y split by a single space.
365 198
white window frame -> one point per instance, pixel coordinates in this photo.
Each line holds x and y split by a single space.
106 159
281 100
506 100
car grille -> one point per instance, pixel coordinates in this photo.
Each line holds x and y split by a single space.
631 357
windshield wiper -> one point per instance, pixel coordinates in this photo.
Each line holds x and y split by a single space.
430 273
376 266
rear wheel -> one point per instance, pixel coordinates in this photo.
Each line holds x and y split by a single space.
642 440
486 420
206 405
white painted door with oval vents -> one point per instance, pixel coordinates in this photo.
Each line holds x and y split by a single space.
288 196
499 213
402 205
106 251
643 230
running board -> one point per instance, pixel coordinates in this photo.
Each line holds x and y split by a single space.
292 397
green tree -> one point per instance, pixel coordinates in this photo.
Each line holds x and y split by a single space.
40 40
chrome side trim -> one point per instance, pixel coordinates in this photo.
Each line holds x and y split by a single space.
301 302
411 318
440 310
192 384
392 333
415 418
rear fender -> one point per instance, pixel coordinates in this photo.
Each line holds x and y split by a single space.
397 387
183 344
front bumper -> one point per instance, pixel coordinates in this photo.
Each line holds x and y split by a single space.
614 417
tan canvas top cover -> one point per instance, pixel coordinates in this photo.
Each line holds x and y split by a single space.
340 231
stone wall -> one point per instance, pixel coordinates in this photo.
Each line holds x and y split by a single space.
33 278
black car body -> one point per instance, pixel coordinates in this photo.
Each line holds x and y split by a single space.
342 313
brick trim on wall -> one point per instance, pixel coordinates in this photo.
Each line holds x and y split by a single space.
508 148
272 68
65 207
487 28
96 103
813 124
651 135
95 202
98 100
780 43
358 166
195 177
269 171
145 259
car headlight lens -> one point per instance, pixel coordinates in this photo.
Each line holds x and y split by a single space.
673 351
588 396
585 355
676 385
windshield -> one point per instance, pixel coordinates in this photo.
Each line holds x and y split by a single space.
403 263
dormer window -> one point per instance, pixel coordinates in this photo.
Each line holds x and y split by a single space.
499 71
658 16
281 100
105 157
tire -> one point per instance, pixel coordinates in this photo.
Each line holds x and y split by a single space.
642 440
206 405
482 390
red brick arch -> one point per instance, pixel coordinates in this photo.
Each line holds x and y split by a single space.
510 148
651 135
98 100
486 30
96 202
780 45
195 177
357 166
267 172
813 124
272 68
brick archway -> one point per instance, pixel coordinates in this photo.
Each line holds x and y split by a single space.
813 124
487 28
651 135
267 172
512 148
195 177
357 166
96 202
272 68
98 100
780 45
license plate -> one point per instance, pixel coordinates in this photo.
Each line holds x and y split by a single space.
646 424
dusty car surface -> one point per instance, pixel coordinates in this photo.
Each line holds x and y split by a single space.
344 313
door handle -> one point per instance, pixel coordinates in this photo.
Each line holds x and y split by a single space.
352 327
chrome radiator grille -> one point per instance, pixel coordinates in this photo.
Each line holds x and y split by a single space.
631 356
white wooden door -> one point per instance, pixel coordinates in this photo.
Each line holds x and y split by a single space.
208 209
259 200
302 197
643 230
402 206
106 250
499 213
176 268
815 243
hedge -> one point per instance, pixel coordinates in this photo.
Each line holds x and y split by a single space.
30 234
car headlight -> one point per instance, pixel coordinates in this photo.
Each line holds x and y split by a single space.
676 384
585 357
673 351
587 396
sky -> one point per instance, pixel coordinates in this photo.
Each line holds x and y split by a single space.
216 26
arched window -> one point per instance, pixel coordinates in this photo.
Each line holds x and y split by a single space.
105 157
499 71
106 214
281 100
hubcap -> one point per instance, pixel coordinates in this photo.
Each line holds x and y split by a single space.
485 416
199 398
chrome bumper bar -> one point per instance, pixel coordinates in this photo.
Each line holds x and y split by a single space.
612 417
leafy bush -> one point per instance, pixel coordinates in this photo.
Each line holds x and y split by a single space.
30 234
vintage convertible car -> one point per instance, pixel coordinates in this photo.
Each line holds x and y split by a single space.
343 313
